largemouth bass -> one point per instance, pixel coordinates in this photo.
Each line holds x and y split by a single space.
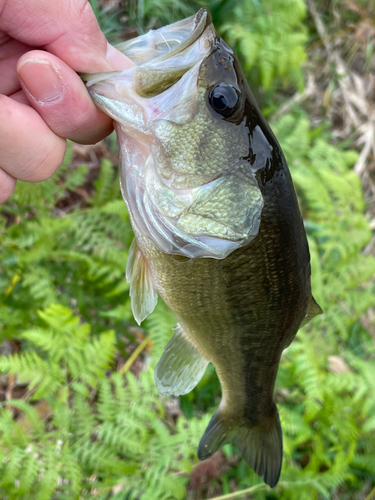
218 231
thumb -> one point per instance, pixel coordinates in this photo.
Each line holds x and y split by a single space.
116 59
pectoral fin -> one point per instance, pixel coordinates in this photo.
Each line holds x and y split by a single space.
142 291
181 366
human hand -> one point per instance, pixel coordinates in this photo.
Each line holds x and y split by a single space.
42 99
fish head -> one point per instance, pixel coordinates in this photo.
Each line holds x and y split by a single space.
181 116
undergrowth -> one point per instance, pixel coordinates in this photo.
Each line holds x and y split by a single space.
85 425
268 36
85 430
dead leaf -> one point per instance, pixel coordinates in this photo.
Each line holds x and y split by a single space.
337 365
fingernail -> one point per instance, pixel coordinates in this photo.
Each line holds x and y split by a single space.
41 79
117 60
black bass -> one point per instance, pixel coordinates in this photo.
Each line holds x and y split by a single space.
218 231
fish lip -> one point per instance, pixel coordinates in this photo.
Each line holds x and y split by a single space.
185 33
200 14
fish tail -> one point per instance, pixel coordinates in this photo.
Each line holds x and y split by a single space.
261 445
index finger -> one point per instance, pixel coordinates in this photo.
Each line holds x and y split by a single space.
67 28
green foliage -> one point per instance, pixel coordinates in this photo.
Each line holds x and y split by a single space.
332 205
270 37
75 258
82 429
328 412
103 435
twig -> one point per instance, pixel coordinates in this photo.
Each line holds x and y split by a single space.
357 108
134 356
9 390
297 98
240 493
370 495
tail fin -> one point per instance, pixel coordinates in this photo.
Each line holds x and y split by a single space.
261 445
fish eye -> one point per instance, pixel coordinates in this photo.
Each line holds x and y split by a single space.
223 98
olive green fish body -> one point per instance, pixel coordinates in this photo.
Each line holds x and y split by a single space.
242 311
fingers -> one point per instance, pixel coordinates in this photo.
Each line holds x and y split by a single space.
32 137
20 96
9 82
67 28
58 94
10 52
30 151
7 185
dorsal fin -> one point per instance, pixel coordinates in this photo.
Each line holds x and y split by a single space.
313 310
142 290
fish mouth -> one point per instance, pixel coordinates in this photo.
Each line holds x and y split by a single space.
168 41
162 57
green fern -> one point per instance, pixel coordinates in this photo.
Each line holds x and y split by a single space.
269 37
64 300
101 427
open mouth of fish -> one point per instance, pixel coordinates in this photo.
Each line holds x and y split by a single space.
168 53
161 59
172 188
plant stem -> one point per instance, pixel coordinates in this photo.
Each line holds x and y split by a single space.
240 493
134 356
371 494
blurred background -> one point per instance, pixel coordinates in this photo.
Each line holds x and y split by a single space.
80 417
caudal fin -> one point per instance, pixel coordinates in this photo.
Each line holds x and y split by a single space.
261 445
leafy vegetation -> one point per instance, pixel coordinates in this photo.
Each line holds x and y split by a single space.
268 36
81 417
98 432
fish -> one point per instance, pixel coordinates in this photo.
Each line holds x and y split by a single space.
218 231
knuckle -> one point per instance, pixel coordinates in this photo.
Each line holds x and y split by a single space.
86 16
7 185
49 159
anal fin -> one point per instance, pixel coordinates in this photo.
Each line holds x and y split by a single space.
142 291
181 366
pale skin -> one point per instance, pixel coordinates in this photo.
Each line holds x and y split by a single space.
43 102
